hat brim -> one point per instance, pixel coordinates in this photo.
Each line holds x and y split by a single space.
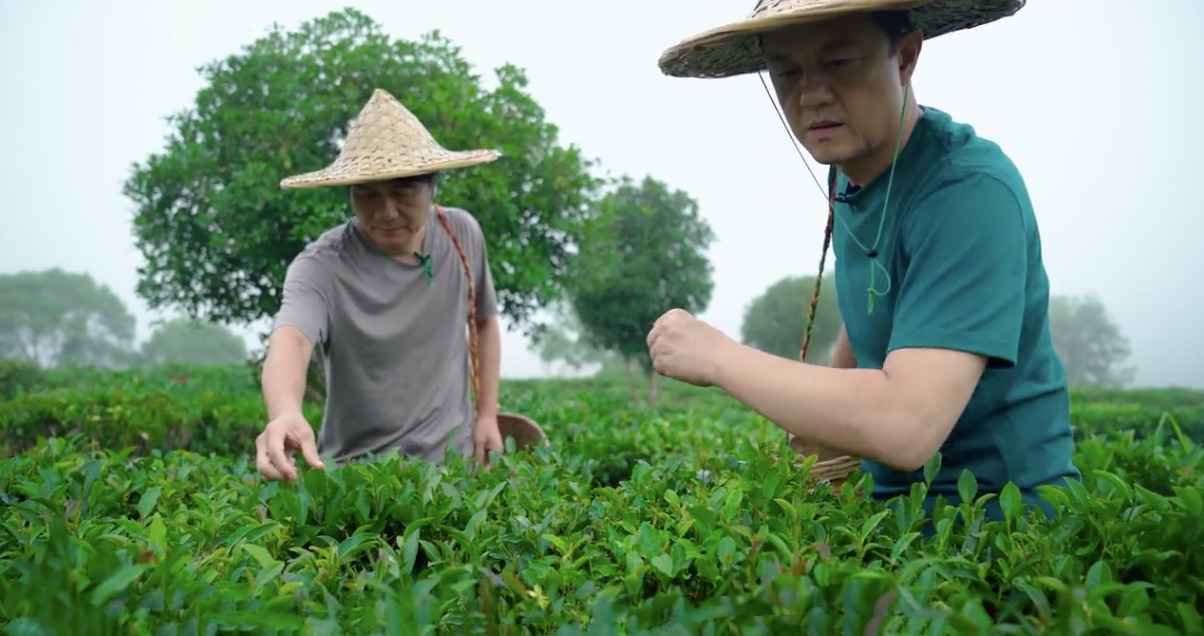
735 48
374 168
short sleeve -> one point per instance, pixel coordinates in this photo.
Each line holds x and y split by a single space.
964 283
306 300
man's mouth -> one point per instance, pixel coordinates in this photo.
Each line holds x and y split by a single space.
824 125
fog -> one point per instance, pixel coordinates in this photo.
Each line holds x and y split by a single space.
1097 101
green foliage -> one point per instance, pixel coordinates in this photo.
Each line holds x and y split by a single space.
54 318
649 257
216 231
18 377
184 341
675 520
774 322
1089 342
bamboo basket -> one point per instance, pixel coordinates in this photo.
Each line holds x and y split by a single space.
830 466
524 430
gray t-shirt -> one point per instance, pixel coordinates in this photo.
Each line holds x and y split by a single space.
395 346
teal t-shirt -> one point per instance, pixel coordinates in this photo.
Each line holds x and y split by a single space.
957 265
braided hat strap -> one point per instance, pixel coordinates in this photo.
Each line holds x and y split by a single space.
823 255
473 353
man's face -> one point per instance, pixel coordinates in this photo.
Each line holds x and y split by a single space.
840 85
392 212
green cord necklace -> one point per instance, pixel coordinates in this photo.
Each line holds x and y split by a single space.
427 268
872 252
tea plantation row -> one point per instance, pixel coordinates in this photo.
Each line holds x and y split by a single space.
131 505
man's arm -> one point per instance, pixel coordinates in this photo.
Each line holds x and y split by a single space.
489 330
284 371
960 304
302 321
898 415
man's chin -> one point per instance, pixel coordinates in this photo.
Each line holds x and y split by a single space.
826 154
831 156
392 242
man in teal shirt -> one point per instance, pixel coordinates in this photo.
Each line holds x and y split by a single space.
939 275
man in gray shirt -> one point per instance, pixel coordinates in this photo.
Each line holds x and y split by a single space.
386 297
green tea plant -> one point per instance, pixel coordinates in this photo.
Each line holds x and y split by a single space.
131 505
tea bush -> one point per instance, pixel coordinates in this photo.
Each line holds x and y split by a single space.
132 505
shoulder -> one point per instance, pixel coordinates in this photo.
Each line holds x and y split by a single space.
970 182
966 165
321 254
464 223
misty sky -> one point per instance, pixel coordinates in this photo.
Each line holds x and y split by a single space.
1097 101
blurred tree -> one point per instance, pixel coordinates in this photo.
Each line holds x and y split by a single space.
218 233
192 342
1090 344
649 257
54 318
562 340
775 320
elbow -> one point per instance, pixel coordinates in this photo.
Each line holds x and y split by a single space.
287 346
914 439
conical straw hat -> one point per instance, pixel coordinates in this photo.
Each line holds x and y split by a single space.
734 48
387 141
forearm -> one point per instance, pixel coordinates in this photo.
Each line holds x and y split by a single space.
855 411
284 371
489 373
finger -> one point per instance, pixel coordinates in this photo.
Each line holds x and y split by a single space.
309 451
275 449
654 334
479 451
265 465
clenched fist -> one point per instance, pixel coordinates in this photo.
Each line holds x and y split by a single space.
685 348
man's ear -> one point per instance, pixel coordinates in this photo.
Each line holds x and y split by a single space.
909 55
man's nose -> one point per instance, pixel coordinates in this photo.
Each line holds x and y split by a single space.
388 210
815 89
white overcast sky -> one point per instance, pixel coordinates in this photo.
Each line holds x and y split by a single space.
1098 102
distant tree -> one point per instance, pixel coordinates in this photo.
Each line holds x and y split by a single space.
55 318
185 341
562 340
1090 344
650 256
216 231
775 320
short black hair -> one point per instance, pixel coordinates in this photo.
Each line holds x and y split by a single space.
428 178
894 24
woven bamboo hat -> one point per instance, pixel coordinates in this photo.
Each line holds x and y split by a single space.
386 141
734 48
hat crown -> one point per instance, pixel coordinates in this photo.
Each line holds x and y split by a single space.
770 8
766 8
734 48
387 141
386 127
